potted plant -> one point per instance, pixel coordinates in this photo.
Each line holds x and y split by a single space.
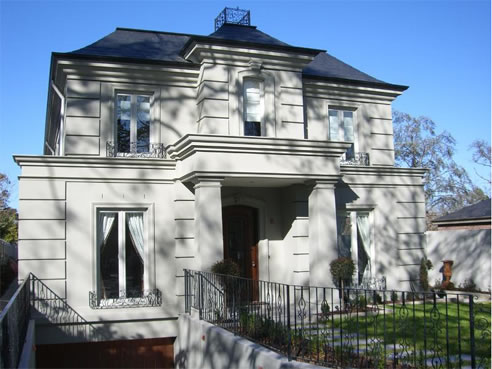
342 271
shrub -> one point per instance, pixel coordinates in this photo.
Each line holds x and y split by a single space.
325 309
469 285
394 296
226 267
342 270
425 266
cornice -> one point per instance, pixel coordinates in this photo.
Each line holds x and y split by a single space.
339 89
199 52
131 71
94 162
382 170
192 143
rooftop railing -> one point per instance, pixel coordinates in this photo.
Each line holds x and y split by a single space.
359 328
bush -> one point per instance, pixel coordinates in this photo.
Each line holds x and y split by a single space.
226 267
394 296
469 285
325 309
425 266
342 270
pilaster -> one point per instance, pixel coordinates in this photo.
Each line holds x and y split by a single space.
208 222
322 232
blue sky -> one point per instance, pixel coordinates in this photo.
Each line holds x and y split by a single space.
441 49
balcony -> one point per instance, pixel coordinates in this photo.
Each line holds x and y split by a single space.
153 150
360 159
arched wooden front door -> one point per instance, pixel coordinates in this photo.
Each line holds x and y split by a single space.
240 227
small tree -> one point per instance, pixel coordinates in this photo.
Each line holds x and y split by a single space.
342 271
425 266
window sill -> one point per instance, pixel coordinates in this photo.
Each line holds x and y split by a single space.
151 299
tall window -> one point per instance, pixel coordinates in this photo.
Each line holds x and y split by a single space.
355 241
253 107
123 272
342 128
132 123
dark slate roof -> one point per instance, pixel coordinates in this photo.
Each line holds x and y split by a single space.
155 46
475 211
136 44
325 65
245 34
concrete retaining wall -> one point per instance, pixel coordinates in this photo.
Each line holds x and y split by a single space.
202 345
470 251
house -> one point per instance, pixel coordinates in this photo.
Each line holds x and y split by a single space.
476 216
462 236
166 151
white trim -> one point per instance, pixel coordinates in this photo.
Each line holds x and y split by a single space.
263 243
61 133
122 209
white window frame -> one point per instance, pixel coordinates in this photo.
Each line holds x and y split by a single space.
354 246
133 120
341 132
261 87
149 250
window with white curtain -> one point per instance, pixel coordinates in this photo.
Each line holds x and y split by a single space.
253 98
342 128
122 246
355 240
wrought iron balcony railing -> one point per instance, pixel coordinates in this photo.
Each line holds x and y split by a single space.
359 159
153 150
148 299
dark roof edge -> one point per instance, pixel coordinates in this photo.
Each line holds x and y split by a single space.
153 31
72 55
225 42
460 220
357 82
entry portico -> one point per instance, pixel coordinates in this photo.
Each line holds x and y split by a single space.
300 171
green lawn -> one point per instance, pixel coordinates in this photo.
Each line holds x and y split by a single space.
418 327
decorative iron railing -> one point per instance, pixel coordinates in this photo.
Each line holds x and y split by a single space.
232 16
153 150
358 328
33 299
14 320
359 159
149 299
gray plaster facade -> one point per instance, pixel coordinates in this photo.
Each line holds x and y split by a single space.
292 175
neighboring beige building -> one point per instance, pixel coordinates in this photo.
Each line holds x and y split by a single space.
167 151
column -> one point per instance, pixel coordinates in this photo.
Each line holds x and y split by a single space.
322 233
208 222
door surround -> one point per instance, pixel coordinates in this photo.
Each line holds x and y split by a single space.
263 244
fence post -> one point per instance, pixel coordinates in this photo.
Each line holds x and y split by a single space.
472 331
200 296
186 290
289 335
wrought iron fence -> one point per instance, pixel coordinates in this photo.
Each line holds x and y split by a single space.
14 320
359 328
52 309
34 299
